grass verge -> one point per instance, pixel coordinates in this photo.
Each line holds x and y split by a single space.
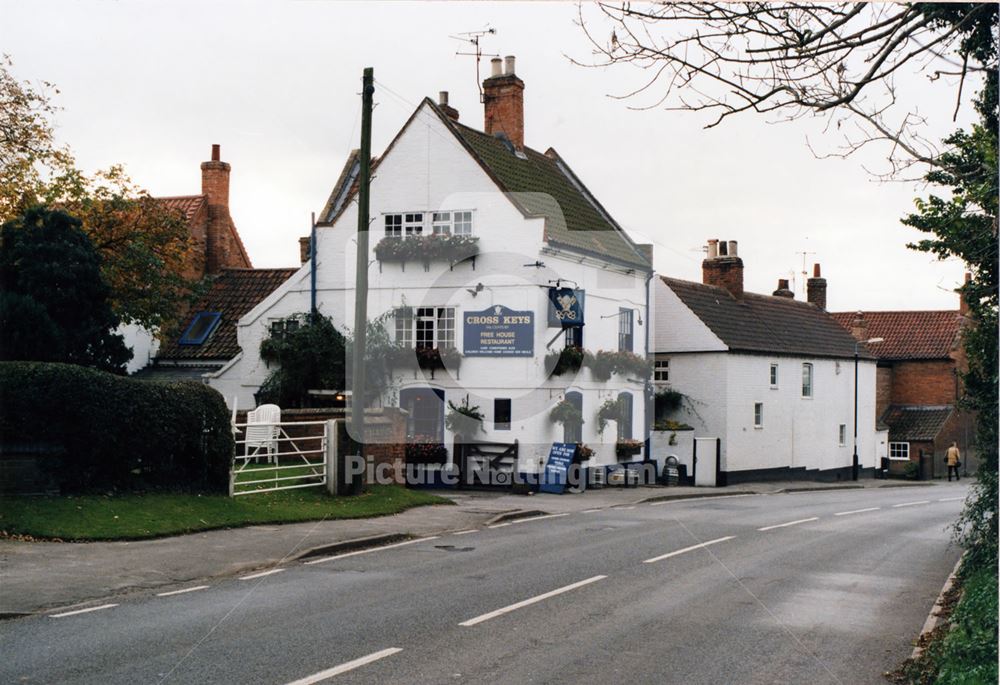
963 649
135 516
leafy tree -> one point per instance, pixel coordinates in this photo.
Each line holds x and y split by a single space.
55 301
964 225
310 357
145 248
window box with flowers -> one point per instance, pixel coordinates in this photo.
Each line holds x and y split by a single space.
603 363
427 358
567 360
628 448
423 449
427 248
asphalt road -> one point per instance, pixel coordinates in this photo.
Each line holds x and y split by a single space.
817 587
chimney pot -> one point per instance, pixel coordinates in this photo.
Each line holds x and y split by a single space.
496 67
443 98
732 248
723 248
816 271
508 65
216 152
713 248
783 289
723 269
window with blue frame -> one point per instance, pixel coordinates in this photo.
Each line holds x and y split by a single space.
626 330
200 328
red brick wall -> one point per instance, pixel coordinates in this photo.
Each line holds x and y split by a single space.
883 389
726 272
923 382
221 248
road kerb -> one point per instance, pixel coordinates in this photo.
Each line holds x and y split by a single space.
933 618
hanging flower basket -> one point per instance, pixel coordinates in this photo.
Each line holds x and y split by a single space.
566 413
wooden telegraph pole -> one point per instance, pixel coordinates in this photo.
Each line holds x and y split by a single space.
358 390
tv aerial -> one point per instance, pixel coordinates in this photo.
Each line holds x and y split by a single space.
473 38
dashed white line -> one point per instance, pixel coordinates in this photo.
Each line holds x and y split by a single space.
465 532
345 667
262 574
82 611
790 523
528 602
590 511
950 499
526 520
181 592
856 511
369 550
910 504
623 508
688 549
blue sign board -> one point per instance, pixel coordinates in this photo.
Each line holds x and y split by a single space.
560 458
565 307
499 332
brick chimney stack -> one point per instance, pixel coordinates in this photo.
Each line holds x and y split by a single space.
963 302
783 289
723 267
816 289
503 101
220 247
450 111
859 326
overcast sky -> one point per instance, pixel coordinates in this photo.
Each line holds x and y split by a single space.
153 85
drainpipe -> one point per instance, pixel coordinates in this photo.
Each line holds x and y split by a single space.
312 268
647 390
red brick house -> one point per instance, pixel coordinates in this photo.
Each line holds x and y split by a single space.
918 382
206 339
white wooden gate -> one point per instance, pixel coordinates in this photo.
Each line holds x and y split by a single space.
267 458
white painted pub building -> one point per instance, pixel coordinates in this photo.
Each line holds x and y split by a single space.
471 232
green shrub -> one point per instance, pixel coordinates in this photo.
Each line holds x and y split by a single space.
118 433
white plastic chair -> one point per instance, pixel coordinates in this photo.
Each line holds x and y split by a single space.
262 432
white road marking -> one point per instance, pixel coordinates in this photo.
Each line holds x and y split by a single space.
370 549
528 602
181 592
697 500
526 520
950 499
83 611
262 574
623 508
466 532
856 511
790 523
910 504
589 511
688 549
345 667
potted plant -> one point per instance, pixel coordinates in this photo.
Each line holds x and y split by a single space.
583 453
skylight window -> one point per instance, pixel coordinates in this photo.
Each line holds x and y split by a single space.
200 328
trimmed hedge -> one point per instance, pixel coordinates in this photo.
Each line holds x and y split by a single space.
118 433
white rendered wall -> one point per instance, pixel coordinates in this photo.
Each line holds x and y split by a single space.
427 169
143 344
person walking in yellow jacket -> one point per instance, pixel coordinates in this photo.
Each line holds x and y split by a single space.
954 459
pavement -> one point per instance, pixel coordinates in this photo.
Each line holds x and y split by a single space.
827 586
41 576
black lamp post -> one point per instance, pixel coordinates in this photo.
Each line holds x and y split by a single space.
854 462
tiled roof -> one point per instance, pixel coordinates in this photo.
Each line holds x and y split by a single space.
764 323
541 185
544 185
233 293
909 335
187 204
910 422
